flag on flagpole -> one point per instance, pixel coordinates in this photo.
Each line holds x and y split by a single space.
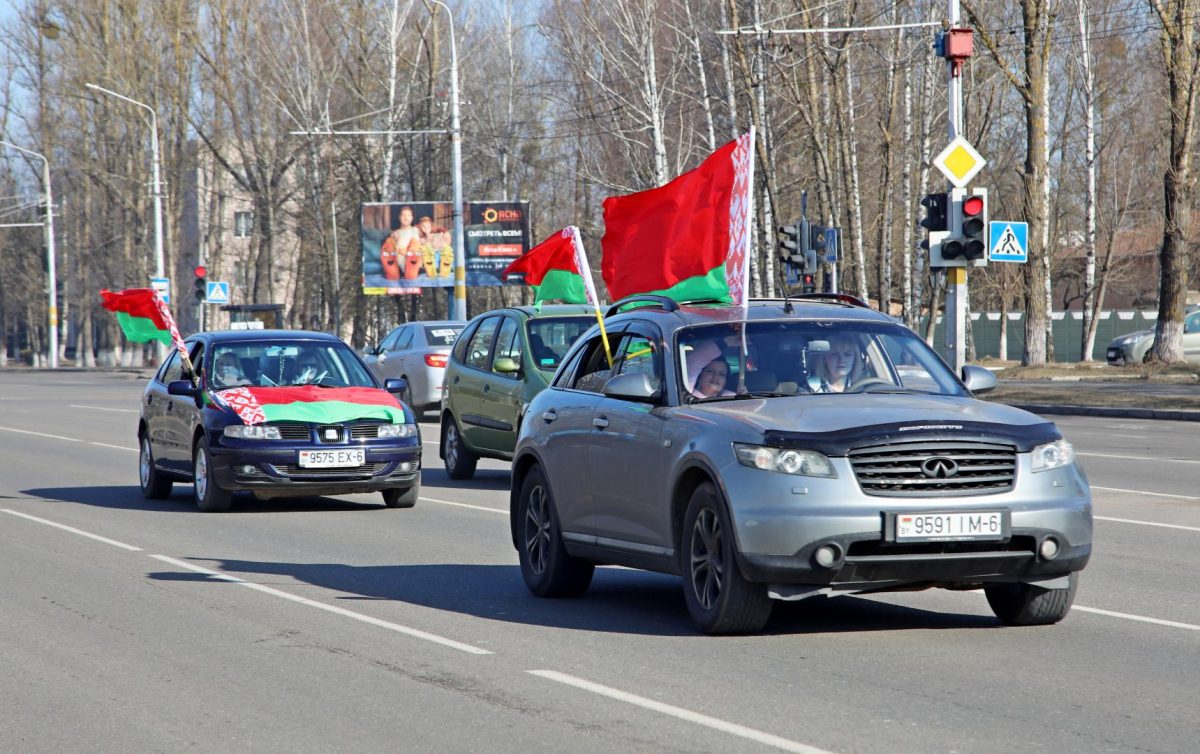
557 269
689 239
144 316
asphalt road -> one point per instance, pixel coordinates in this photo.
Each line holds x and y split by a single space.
334 624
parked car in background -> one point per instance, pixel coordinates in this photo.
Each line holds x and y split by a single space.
416 352
1134 347
790 451
501 361
279 414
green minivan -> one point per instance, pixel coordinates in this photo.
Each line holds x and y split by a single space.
502 360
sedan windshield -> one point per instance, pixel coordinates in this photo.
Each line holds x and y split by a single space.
283 363
799 357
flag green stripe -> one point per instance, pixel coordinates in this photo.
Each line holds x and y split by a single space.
565 285
330 412
711 285
141 329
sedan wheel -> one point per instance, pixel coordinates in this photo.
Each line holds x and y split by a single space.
548 569
209 497
402 498
154 485
719 599
460 461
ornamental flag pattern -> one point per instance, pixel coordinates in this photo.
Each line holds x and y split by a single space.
243 403
737 267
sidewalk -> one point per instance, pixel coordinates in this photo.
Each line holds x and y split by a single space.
1126 396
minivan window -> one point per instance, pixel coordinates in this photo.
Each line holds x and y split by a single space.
479 350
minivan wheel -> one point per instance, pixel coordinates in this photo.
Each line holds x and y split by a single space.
402 498
155 486
718 598
460 461
1029 604
209 497
548 570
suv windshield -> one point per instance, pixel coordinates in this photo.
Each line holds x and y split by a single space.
549 338
281 363
798 357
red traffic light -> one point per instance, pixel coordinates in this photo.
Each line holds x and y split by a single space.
972 206
201 271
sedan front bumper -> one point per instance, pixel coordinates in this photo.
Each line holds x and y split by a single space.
275 472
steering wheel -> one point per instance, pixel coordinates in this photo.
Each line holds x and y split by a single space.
866 382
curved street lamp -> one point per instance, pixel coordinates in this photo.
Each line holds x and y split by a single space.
51 272
460 257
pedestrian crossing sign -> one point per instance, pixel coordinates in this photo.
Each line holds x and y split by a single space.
217 293
1009 241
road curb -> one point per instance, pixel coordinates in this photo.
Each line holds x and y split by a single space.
1127 413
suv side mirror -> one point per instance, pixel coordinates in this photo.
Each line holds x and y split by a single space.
977 379
505 365
635 386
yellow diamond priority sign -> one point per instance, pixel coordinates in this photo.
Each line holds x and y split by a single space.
959 162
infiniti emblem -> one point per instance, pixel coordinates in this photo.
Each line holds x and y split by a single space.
939 467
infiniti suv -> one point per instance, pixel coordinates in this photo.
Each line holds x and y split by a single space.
785 450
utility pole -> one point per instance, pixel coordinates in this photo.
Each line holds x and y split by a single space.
459 310
51 271
954 323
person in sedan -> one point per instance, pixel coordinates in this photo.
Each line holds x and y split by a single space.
227 371
839 368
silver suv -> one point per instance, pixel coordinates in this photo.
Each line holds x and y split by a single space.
789 450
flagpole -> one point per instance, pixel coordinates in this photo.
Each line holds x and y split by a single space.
581 261
746 273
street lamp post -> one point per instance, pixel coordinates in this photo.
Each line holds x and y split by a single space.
460 257
159 265
51 271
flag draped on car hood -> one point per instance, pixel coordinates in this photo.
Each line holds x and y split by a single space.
689 239
143 316
557 269
310 403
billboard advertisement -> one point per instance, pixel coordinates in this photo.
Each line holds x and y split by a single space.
409 246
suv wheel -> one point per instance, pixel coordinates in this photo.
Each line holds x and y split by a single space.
718 598
548 570
1030 605
460 461
209 497
155 485
402 497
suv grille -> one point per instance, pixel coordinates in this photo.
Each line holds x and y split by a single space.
929 469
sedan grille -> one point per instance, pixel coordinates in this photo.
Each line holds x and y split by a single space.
364 430
295 471
294 431
929 469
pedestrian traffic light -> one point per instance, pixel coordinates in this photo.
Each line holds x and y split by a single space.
201 283
974 227
808 283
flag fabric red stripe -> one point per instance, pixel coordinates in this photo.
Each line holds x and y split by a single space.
555 253
312 393
145 303
656 239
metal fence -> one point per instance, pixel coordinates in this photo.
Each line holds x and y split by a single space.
1068 330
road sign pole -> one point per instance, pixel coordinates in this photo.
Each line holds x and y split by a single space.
954 322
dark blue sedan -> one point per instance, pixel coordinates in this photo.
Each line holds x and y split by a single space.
279 414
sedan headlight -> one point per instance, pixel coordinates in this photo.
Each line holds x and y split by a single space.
397 430
787 461
1053 455
252 432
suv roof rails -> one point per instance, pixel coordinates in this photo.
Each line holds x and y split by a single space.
841 298
663 302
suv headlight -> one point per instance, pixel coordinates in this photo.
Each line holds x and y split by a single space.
1053 455
252 432
397 430
787 461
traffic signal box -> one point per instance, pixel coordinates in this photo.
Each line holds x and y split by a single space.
957 224
201 291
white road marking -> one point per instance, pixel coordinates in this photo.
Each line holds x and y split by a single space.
1139 618
1136 458
1146 523
680 713
115 447
413 632
73 530
40 434
465 505
1143 492
102 408
1131 437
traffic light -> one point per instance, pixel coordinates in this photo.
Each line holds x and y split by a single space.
808 283
789 240
974 227
936 211
815 251
937 222
201 283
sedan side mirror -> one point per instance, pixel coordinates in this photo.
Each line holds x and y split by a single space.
183 388
395 384
635 386
977 379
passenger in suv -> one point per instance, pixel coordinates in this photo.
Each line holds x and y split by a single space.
500 362
841 457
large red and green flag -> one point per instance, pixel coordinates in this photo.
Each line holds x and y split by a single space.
143 316
689 239
557 268
310 403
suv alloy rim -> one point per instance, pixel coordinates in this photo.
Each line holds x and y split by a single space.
537 529
707 568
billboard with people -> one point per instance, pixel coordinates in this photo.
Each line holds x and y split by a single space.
409 246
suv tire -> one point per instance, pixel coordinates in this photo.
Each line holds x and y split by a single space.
1031 605
718 598
460 461
548 570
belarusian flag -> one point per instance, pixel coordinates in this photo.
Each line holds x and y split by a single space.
689 239
143 316
310 403
557 268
